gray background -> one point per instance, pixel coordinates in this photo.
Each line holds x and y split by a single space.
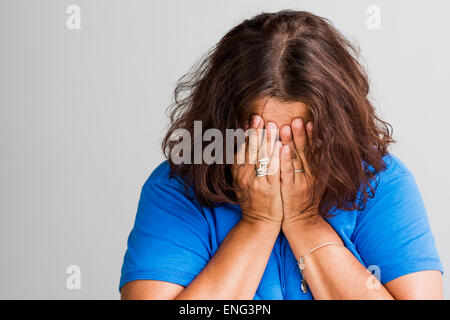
82 113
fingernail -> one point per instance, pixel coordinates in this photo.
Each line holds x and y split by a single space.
256 120
297 122
309 125
286 149
286 128
271 126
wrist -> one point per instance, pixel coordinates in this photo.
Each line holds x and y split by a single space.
302 221
308 233
261 224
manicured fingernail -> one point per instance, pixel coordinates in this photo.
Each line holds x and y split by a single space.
297 122
309 125
256 120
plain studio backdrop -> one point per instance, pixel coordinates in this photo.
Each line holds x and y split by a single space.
82 114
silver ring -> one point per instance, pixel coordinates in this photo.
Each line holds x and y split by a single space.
262 169
299 170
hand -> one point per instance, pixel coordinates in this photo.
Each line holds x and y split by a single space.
296 187
259 197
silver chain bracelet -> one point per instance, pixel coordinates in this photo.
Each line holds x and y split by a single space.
301 264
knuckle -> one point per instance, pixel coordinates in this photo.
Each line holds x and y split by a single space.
287 170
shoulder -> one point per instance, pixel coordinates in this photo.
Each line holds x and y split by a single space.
170 239
160 178
395 180
163 192
161 174
395 198
392 231
395 168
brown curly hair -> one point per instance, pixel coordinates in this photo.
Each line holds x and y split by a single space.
291 56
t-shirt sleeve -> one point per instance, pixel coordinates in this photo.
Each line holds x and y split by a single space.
393 232
170 240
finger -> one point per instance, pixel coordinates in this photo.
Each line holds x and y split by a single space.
309 129
261 133
271 135
240 156
262 137
236 166
247 125
287 169
241 168
287 139
300 141
273 175
238 172
253 139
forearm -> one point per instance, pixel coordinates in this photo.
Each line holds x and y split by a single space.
234 272
332 272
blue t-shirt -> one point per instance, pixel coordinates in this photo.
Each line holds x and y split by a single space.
173 237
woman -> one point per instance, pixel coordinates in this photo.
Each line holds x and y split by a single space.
316 207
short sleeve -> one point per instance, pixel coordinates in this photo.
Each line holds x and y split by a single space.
393 231
170 240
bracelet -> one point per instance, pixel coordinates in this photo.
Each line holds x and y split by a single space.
301 263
